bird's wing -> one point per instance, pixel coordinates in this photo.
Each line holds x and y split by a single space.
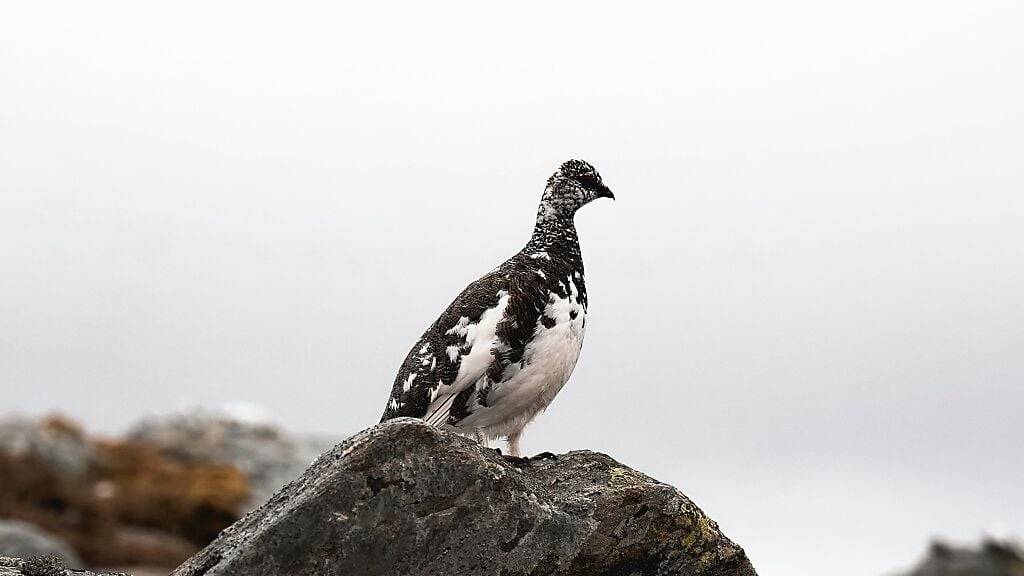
521 307
453 353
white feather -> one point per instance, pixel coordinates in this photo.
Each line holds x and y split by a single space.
548 361
480 338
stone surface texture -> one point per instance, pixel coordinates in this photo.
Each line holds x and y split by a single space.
404 498
41 566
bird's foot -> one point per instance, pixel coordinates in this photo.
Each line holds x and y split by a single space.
517 461
526 460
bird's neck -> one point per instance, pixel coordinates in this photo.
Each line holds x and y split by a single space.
555 234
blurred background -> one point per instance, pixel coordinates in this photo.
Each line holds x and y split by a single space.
222 226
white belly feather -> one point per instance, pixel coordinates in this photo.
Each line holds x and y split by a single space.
548 361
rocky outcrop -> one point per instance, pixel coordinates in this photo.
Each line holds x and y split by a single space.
404 498
55 441
991 558
154 497
41 566
128 506
262 451
23 540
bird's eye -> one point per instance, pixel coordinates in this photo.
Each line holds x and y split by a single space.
589 181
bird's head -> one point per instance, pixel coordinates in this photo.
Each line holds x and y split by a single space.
575 184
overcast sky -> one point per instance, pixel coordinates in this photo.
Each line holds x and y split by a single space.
806 306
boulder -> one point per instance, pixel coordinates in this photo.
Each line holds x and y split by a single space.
132 506
404 498
265 454
26 541
41 566
991 558
53 440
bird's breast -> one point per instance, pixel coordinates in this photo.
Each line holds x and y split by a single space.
559 336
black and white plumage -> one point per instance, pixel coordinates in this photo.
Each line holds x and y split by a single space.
508 343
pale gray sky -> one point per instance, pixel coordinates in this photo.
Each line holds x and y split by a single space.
807 304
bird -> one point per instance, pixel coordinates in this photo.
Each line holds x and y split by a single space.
507 344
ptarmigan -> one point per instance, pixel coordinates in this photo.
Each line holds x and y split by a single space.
504 348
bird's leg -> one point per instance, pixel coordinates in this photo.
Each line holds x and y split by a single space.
513 444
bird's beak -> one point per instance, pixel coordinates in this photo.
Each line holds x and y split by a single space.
605 192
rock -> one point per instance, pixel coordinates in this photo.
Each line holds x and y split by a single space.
267 456
23 540
143 488
133 506
991 558
404 498
137 570
41 566
54 440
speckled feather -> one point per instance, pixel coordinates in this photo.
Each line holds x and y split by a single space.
505 346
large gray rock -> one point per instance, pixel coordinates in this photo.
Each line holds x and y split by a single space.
268 456
404 498
41 566
991 558
53 441
26 541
